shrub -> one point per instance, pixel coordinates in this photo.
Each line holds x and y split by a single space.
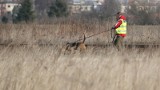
4 19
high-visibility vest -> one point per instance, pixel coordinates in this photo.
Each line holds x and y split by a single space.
123 28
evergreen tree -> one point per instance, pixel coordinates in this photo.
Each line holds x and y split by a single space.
14 14
58 9
25 12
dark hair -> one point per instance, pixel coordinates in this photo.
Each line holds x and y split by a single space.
118 12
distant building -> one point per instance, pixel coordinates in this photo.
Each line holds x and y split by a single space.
7 7
140 5
78 6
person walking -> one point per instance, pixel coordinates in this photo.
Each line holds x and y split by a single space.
120 29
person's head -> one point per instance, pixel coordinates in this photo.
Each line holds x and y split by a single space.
118 14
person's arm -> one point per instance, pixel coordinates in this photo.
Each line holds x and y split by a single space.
117 24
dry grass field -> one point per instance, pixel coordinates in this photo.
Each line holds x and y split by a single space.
39 64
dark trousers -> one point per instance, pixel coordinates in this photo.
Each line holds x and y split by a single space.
118 42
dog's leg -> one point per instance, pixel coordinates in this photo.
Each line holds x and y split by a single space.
67 49
76 46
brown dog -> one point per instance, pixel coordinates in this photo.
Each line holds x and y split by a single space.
79 45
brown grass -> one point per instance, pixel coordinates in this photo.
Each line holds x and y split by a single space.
46 68
26 68
57 33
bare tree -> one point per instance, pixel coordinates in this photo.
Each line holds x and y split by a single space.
104 11
109 8
143 16
42 4
41 7
158 14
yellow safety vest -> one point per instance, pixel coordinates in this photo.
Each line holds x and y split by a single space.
123 28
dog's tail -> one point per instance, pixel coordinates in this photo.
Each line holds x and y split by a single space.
84 38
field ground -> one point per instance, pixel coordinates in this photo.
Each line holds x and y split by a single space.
35 67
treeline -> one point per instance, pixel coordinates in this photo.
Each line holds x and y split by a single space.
55 10
49 10
144 15
29 11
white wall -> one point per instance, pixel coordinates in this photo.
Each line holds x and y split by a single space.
10 6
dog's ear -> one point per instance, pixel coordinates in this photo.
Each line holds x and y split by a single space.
84 37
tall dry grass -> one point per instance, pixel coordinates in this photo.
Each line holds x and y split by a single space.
62 32
27 68
36 67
